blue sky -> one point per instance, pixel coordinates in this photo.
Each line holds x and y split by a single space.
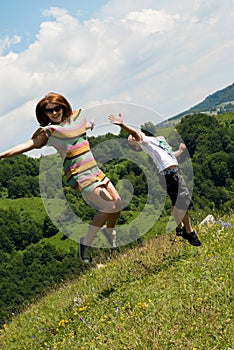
164 55
23 18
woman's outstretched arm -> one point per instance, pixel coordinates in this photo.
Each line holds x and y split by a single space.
36 142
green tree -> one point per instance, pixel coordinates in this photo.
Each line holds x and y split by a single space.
49 229
23 186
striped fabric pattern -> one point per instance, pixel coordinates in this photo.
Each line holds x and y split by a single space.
70 140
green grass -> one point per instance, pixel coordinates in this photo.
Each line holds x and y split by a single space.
161 295
60 243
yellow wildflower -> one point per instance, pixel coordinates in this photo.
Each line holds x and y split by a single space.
61 323
83 308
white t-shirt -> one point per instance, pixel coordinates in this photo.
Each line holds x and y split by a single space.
160 151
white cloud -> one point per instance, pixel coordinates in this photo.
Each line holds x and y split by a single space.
7 42
149 21
164 55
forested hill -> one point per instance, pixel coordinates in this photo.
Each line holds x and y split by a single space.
220 102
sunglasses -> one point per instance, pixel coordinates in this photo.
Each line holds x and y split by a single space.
52 110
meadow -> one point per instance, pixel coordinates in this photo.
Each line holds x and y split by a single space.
160 294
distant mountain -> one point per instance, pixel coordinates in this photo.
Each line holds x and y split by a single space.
220 102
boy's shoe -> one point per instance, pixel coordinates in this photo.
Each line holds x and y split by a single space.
181 231
83 251
193 239
110 237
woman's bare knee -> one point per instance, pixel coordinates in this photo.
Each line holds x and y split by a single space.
113 206
118 204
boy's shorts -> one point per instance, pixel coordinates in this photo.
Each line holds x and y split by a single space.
177 190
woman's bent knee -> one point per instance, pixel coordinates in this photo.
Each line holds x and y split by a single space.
118 204
113 206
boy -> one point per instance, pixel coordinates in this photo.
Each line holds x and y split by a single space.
169 177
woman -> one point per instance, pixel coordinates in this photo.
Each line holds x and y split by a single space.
66 131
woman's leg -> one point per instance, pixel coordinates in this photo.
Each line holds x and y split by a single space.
107 199
112 218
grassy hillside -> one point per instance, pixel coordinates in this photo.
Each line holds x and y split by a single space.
161 295
220 102
32 207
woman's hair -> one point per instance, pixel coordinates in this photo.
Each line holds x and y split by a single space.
56 99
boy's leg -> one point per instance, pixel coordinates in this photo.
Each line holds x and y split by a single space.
182 203
182 216
189 233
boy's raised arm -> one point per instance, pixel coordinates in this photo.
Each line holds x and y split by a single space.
118 120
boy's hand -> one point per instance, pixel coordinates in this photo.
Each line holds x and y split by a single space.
116 120
182 147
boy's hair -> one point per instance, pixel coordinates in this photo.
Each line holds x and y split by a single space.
146 132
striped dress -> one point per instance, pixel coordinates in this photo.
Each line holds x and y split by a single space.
70 140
